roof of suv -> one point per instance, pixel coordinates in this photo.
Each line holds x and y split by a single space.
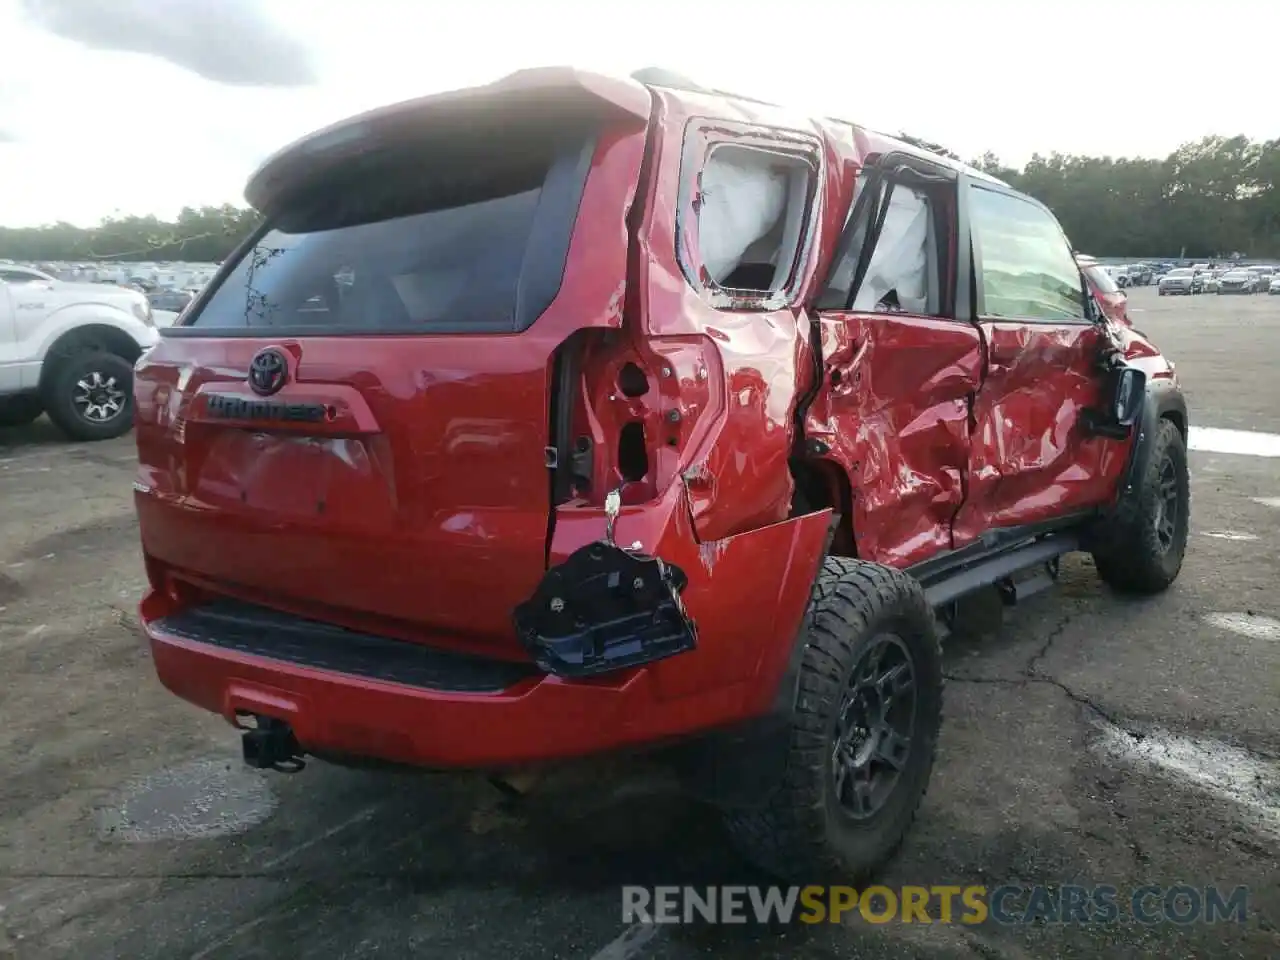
526 95
656 77
905 147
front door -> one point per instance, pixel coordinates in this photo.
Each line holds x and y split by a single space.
1031 458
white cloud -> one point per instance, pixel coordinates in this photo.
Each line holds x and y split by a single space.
228 41
116 129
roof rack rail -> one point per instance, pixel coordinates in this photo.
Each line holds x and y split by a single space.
662 77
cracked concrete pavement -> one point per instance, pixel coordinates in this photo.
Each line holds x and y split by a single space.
341 863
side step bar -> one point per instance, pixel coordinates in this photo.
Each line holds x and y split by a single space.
954 582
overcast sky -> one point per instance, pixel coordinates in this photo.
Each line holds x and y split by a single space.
142 106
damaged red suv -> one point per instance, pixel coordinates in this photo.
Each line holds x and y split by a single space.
575 414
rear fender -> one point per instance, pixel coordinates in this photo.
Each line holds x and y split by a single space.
737 367
746 594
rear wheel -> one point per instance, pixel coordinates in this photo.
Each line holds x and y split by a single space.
19 410
89 395
1143 549
864 729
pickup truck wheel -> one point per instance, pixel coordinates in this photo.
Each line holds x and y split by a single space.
18 411
90 395
863 730
1143 549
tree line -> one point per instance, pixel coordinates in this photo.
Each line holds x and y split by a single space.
1214 197
197 235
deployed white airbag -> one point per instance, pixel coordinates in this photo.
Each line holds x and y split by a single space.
743 197
900 261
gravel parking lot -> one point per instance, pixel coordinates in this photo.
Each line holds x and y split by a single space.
1088 740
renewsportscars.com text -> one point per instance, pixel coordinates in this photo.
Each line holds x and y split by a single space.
1006 904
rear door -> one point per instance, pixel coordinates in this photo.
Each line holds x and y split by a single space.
352 422
10 372
26 301
1031 458
901 361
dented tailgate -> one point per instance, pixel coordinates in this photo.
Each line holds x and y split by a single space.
396 477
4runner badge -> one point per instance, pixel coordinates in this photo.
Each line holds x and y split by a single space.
268 372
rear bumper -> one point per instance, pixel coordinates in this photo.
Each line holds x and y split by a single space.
747 595
343 714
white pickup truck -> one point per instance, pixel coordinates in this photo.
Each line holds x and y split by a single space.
68 350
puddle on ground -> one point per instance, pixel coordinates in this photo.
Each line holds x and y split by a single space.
1248 782
1255 626
1249 443
1230 535
1268 501
10 589
198 800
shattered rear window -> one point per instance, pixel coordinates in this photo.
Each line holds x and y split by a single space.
412 249
458 266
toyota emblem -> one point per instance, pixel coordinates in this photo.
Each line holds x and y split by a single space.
268 372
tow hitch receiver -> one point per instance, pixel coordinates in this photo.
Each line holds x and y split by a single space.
603 609
271 745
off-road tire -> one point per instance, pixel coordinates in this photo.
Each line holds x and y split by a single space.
59 390
1131 557
19 410
802 834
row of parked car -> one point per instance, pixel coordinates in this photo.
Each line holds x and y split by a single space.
1197 278
1192 280
1134 274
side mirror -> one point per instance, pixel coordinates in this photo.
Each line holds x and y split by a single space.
1130 386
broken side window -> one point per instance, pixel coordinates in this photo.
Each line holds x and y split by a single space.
751 218
897 234
902 275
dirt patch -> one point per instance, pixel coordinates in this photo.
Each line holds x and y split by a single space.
86 538
10 589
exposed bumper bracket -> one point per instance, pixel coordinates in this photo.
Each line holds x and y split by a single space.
604 609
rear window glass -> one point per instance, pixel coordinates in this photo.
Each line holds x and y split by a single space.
1101 279
383 255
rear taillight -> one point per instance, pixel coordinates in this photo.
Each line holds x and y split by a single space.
640 408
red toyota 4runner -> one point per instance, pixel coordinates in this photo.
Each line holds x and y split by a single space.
574 414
